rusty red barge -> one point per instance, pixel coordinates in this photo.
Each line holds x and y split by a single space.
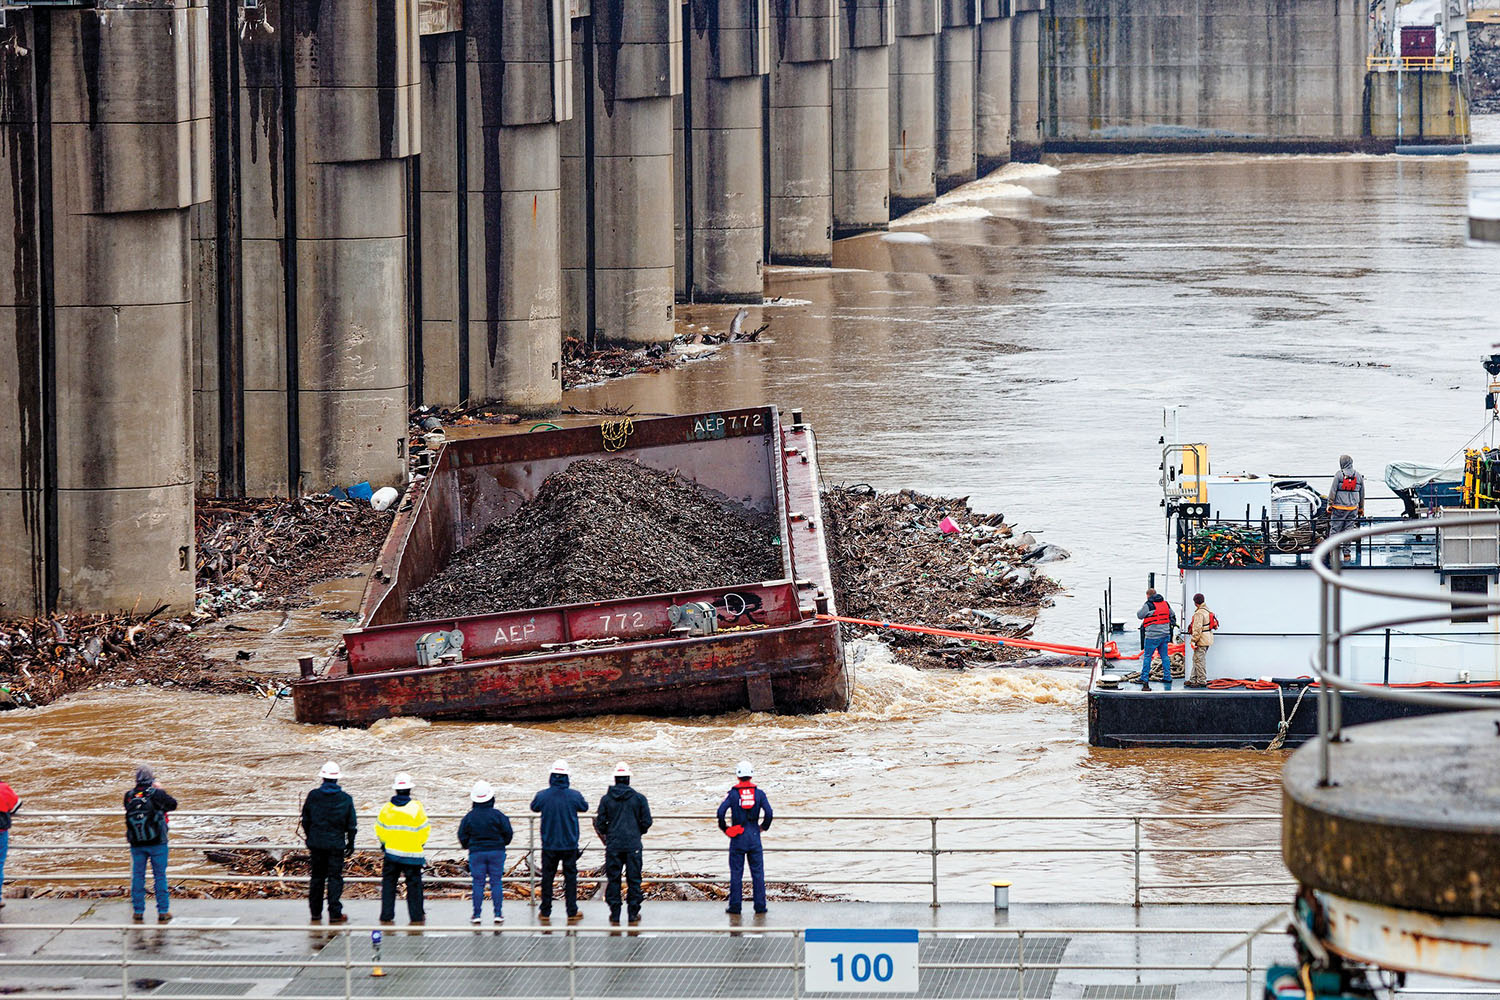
756 645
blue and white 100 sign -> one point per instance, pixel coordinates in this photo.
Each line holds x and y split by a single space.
860 961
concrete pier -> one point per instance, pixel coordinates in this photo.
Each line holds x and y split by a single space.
444 200
861 117
618 191
992 86
801 135
728 46
1026 80
518 87
913 104
955 161
104 165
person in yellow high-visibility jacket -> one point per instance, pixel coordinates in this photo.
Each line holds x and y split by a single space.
402 830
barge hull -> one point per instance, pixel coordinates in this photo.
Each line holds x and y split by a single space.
1232 719
789 670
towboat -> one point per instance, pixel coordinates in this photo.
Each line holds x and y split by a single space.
1246 543
755 644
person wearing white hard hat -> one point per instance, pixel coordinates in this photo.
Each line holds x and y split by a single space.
484 832
559 806
622 817
402 830
743 815
329 823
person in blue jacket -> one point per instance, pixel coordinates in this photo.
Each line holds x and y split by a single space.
743 814
559 806
484 832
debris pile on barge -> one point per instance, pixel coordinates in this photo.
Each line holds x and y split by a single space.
600 530
895 559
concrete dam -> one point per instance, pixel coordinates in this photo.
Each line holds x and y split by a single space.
243 237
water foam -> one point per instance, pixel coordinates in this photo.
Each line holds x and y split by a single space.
886 689
1018 171
986 189
921 238
397 726
941 212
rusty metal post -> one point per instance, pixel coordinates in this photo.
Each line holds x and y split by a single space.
1137 820
934 852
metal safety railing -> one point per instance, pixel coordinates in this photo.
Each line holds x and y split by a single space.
145 960
1127 838
1392 63
1327 658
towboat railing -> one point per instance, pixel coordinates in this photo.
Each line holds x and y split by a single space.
1210 856
1480 557
1268 542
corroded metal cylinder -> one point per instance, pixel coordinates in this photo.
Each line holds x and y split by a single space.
913 105
954 156
992 87
861 117
801 147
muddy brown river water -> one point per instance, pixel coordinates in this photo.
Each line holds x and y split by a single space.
1016 343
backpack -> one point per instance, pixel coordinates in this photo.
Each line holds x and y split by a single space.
142 820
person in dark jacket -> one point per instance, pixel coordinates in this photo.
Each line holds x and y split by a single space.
622 817
559 806
10 802
329 823
146 821
484 832
743 814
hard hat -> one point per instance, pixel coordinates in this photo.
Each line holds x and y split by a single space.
559 766
622 770
402 783
482 791
330 771
744 770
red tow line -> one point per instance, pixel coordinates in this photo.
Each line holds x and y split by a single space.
1109 652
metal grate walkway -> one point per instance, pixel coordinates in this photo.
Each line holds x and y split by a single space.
503 972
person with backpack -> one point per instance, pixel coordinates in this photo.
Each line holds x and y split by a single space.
1201 630
402 830
1346 498
1159 619
484 832
147 806
329 823
743 815
10 802
559 806
622 817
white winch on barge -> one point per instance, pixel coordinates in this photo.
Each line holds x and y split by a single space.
1245 542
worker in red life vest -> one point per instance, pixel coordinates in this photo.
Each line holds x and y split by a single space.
1158 618
1346 498
743 814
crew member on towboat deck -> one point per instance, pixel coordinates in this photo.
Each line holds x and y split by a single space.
1346 498
1201 629
1159 618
